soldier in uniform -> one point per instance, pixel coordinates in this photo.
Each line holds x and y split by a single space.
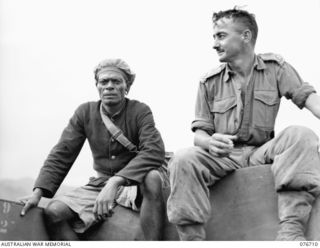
236 108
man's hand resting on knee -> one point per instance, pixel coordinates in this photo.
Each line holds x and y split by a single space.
221 144
218 144
105 202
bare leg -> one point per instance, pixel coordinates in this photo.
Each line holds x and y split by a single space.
57 214
152 215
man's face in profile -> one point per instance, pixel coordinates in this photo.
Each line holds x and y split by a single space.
228 39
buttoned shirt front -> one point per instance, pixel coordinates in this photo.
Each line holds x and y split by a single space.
109 156
220 109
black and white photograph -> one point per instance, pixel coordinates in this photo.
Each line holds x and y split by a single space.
159 121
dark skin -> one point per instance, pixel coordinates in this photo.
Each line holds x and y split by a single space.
112 89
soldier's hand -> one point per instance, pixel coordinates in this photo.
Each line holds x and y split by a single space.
30 201
221 144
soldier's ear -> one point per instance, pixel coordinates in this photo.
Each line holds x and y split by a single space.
247 35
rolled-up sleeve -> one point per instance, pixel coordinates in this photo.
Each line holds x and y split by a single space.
151 152
62 156
203 116
292 86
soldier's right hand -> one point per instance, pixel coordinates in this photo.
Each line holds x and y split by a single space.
221 144
30 201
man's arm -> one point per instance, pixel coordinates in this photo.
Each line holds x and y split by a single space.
202 139
151 152
63 155
150 156
313 104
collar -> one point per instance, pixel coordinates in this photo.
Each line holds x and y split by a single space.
258 64
117 113
228 73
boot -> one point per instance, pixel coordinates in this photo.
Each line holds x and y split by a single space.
194 232
294 211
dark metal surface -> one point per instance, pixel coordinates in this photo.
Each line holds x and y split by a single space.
244 207
15 227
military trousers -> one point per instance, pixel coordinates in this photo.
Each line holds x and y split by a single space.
295 166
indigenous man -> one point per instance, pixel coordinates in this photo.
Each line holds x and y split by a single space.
129 178
236 108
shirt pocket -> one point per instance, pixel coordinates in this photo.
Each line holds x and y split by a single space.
265 109
225 115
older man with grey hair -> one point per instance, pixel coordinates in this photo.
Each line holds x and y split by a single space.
125 177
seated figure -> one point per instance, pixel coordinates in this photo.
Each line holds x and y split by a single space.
125 176
236 108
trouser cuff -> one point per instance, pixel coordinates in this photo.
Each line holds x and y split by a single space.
193 232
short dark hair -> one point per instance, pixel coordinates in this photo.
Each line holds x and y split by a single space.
239 15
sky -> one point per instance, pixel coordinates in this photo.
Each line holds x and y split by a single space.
48 49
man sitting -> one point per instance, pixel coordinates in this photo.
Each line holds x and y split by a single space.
126 177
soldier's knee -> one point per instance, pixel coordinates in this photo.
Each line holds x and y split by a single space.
184 159
302 135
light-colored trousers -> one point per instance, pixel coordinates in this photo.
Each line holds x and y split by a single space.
295 165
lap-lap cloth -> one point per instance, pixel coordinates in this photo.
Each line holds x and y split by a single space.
82 199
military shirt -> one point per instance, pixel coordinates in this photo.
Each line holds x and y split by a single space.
109 156
220 108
